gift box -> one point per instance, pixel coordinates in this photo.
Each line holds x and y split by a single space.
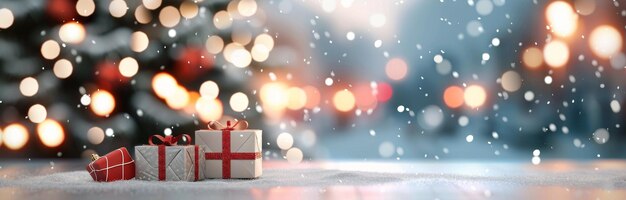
116 165
168 161
229 152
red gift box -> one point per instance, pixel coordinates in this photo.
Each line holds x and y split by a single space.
116 165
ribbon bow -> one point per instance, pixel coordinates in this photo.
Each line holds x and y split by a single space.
238 125
169 140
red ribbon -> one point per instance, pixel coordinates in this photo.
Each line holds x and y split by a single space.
171 141
226 155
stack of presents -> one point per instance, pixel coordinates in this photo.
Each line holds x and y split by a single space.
230 151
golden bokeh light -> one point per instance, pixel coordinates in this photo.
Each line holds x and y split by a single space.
260 53
209 89
511 81
37 113
533 57
139 41
164 84
179 99
605 41
214 44
396 69
556 54
15 136
29 86
63 68
118 8
297 98
6 18
344 100
50 133
241 58
222 20
151 4
102 103
239 102
50 49
188 9
264 39
142 15
128 67
312 97
72 32
247 8
453 96
169 16
241 36
85 7
274 94
209 109
474 96
561 18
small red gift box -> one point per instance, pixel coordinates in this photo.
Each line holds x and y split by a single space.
116 165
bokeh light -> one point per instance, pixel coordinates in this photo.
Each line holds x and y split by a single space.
188 9
15 136
247 8
151 4
209 109
6 18
72 32
239 102
139 41
63 68
396 69
561 18
556 54
511 81
294 155
297 98
118 8
214 44
37 113
85 7
585 7
142 15
50 49
274 96
179 98
209 90
51 133
128 67
222 20
164 84
605 41
29 86
453 96
169 16
474 96
95 135
532 57
102 103
284 141
344 100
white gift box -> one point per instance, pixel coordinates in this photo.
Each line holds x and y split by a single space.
178 163
241 160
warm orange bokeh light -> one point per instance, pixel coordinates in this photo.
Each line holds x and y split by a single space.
15 136
50 133
274 95
556 54
164 85
102 103
396 69
179 99
453 96
605 41
209 109
72 32
475 96
365 98
297 98
344 100
533 57
561 18
313 97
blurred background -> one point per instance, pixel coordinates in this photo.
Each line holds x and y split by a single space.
324 79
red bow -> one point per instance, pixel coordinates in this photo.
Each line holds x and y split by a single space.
169 140
239 125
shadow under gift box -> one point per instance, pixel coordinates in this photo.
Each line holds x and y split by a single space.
178 164
242 160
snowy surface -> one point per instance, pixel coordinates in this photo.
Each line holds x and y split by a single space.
343 180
